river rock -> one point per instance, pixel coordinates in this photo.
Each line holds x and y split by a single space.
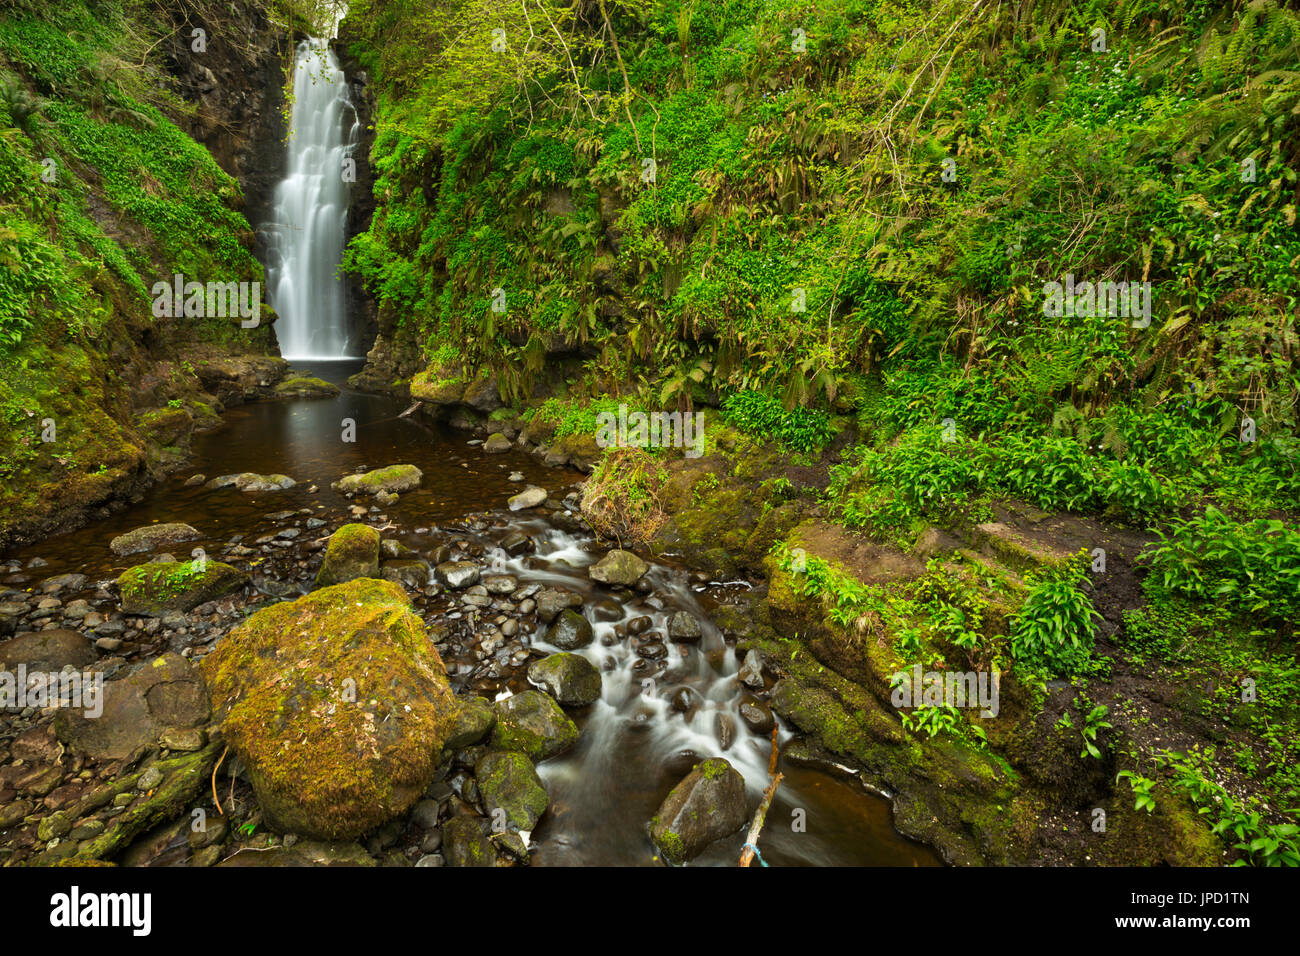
533 724
353 553
551 601
496 444
458 574
618 567
757 716
530 497
73 582
338 706
474 718
47 651
151 537
516 543
570 678
161 586
253 483
501 584
393 479
465 844
569 631
684 628
411 572
304 853
508 781
707 805
751 670
305 386
162 694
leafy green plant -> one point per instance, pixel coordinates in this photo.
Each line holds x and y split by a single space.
1143 787
1053 631
761 414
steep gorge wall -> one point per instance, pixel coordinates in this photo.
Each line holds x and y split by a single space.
162 159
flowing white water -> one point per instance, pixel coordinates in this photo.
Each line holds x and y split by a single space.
310 210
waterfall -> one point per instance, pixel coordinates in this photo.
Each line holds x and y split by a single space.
310 211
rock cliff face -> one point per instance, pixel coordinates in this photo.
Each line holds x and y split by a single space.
127 398
363 318
236 86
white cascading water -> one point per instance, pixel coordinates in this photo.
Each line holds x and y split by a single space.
310 211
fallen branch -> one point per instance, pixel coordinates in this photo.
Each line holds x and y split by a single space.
215 798
760 815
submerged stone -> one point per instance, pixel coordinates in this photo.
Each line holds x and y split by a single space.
151 537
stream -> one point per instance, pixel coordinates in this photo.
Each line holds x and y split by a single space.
664 706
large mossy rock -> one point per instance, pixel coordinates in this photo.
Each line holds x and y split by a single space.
393 480
353 552
533 724
151 537
338 705
176 585
707 805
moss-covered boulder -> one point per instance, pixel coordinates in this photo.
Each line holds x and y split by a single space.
707 805
151 537
438 386
338 705
618 567
166 426
176 585
511 789
353 552
570 678
533 724
394 479
305 386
